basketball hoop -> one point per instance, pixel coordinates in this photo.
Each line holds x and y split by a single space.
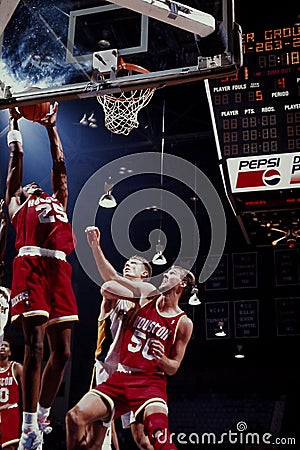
121 109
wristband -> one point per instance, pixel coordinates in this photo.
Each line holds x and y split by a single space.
13 136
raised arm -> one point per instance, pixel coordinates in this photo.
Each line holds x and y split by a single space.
59 173
15 165
104 267
116 286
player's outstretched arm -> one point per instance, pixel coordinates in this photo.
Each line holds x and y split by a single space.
59 173
15 164
137 291
105 269
138 288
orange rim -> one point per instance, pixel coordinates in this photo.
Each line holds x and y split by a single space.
130 67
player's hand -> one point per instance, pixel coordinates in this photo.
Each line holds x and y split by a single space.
156 349
50 119
14 116
92 235
15 113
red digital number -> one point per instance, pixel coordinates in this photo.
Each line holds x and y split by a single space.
281 83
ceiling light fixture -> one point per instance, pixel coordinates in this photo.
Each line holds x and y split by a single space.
107 200
89 121
91 118
92 121
239 354
159 259
83 120
220 331
194 299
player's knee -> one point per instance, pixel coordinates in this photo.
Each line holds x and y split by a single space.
154 423
62 356
74 418
157 429
65 355
34 352
138 433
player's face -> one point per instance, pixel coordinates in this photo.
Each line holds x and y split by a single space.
134 269
171 279
32 188
5 349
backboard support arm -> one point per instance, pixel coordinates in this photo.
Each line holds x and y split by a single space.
173 13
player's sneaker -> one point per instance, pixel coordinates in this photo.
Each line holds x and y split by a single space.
30 440
44 427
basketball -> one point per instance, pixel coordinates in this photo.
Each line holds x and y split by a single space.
35 112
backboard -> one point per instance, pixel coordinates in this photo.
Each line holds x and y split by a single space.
50 44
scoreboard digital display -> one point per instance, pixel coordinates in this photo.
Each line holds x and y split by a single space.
256 122
258 110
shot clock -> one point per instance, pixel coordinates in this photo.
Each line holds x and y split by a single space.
256 121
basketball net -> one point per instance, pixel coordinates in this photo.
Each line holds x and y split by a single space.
121 109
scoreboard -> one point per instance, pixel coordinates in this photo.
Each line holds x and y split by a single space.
258 110
256 121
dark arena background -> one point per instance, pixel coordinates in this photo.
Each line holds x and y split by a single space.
241 129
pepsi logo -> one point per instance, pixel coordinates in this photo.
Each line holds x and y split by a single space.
271 177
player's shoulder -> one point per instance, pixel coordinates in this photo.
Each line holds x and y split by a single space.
18 364
17 368
186 323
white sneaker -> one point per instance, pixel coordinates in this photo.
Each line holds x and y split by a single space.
30 440
44 427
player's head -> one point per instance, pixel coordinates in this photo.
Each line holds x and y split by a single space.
180 280
31 188
137 267
5 349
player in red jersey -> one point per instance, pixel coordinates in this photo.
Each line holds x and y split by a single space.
153 347
42 297
113 313
10 393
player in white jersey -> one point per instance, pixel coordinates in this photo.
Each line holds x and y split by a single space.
110 334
